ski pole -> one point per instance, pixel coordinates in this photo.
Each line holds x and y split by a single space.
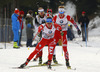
62 44
20 33
35 36
5 28
85 34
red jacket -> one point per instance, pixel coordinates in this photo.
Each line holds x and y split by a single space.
21 22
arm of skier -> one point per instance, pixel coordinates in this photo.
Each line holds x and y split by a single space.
73 22
40 28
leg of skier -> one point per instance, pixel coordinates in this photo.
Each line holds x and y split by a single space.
51 48
40 45
54 57
66 54
40 57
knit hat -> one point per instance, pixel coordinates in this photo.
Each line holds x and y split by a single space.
28 14
16 11
83 12
49 10
21 12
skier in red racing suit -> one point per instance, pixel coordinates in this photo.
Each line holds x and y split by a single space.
48 33
62 20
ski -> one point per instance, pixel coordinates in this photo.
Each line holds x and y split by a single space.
45 65
35 66
19 68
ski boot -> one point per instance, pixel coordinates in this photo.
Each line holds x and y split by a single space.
15 45
40 61
54 59
49 64
24 64
67 64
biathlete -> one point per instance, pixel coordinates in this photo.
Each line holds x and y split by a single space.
62 19
48 33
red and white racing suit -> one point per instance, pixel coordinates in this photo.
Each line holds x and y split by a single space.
47 37
63 22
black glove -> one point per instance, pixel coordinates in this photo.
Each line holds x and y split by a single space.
43 21
39 35
79 32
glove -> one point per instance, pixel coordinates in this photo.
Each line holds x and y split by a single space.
62 33
43 21
39 35
19 30
79 32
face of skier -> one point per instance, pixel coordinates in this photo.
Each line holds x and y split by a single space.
41 11
61 12
61 15
49 11
49 25
49 22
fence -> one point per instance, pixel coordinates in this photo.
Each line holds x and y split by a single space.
5 30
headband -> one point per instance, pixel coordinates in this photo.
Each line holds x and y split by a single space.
49 20
41 10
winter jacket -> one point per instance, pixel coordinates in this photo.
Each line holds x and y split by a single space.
21 22
29 20
84 20
29 33
15 22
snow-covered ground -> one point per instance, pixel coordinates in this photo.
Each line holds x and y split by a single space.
84 59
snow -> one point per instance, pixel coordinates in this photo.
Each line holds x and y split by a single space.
83 58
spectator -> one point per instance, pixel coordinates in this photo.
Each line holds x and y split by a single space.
20 18
82 21
29 18
70 33
15 27
29 30
29 33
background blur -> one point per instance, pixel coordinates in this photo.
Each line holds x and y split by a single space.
92 8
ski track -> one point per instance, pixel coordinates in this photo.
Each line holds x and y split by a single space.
84 59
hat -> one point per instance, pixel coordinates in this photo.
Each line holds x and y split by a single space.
16 11
28 14
83 12
49 10
21 12
29 25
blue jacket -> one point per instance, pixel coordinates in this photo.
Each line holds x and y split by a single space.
15 22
